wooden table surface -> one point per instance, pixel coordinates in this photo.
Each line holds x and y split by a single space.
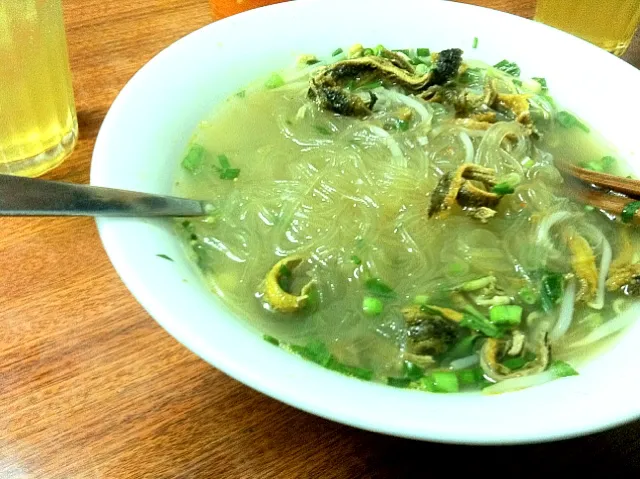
91 386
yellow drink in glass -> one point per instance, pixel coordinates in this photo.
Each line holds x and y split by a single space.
38 125
610 24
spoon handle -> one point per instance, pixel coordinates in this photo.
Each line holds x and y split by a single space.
34 197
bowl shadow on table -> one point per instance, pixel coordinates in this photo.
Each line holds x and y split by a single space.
283 440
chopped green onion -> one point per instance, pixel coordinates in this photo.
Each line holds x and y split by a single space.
506 314
529 163
475 42
372 306
323 130
399 382
593 166
226 172
551 290
224 162
629 211
356 260
426 384
360 373
367 52
445 381
312 61
194 158
164 256
271 339
457 268
412 371
337 52
508 67
379 288
567 120
314 351
528 295
423 52
371 86
542 82
379 50
274 81
467 377
477 322
230 174
561 369
407 52
503 188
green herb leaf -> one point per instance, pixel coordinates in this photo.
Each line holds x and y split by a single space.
629 211
379 50
423 52
274 81
463 348
528 295
194 158
379 288
367 52
551 290
356 260
542 82
561 369
508 67
224 162
337 52
567 120
475 42
164 256
271 339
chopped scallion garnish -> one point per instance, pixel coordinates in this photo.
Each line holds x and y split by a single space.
226 172
567 120
164 256
506 314
271 339
561 369
629 211
372 306
503 189
508 67
475 42
445 381
337 52
423 52
194 158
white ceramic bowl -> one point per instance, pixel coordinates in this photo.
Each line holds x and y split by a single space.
149 124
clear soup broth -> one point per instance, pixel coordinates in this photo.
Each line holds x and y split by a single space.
399 216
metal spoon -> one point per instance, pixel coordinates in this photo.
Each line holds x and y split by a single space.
33 197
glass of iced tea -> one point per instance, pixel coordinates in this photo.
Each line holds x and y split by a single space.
225 8
38 125
610 24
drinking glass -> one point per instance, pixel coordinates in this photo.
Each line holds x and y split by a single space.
610 24
38 125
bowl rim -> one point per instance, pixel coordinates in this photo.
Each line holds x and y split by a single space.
312 399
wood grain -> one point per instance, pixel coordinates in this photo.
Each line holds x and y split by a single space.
92 387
